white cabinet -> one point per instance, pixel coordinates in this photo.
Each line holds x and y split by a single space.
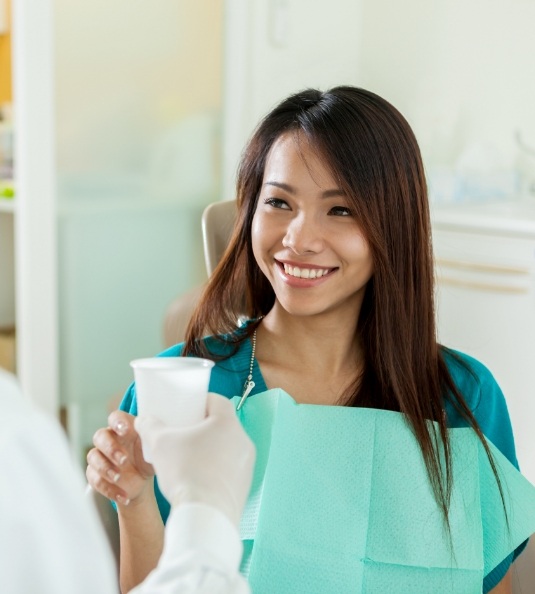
486 308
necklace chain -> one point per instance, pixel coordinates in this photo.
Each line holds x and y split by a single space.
249 384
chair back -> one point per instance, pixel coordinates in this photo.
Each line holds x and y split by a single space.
217 223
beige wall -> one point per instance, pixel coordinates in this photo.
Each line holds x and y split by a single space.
113 60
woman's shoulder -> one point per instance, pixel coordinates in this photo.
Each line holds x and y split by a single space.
484 397
473 379
219 346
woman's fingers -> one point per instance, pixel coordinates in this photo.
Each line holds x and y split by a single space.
107 441
103 478
116 467
103 466
122 424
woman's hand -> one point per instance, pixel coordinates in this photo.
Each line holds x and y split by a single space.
116 468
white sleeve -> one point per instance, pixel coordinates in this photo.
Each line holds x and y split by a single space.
202 553
51 540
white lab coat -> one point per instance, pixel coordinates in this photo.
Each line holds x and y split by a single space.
51 539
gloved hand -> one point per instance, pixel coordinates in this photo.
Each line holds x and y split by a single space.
210 462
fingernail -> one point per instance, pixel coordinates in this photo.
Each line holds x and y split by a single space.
113 476
120 428
120 458
122 500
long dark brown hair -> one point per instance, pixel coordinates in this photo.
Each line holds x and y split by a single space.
374 157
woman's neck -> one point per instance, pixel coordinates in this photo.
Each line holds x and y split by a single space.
319 354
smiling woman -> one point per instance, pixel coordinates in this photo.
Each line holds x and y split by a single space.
305 238
331 263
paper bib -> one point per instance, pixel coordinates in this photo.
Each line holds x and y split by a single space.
341 502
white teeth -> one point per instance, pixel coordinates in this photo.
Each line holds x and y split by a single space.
305 272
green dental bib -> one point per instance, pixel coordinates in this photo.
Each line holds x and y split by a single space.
341 503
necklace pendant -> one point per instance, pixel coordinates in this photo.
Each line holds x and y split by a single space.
247 389
249 384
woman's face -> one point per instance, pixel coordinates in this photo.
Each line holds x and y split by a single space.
305 238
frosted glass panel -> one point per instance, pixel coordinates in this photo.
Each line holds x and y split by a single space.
137 122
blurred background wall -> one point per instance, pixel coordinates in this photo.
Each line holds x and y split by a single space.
132 116
138 113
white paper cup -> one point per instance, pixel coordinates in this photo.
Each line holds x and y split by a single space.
172 389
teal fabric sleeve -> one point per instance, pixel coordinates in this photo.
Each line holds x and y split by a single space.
487 403
484 398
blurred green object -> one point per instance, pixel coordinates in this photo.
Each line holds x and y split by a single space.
7 192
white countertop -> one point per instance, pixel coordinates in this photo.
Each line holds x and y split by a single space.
515 217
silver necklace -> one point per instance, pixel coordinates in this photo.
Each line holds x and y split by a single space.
249 384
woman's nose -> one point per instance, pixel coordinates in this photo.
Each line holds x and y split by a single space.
303 235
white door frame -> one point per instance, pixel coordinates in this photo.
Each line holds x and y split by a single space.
36 283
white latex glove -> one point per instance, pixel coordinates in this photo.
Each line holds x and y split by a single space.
210 462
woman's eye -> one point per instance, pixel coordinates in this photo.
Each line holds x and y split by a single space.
276 203
340 211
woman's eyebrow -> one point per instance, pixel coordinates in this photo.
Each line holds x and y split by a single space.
335 192
282 186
